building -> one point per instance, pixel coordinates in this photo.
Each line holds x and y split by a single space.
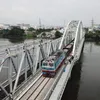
24 26
94 27
4 26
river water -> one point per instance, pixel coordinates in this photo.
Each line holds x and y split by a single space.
4 42
85 81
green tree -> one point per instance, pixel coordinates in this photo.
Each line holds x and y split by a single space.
31 29
4 33
44 34
16 32
97 32
58 34
39 31
34 35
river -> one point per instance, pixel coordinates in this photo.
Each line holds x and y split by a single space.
4 42
7 43
85 81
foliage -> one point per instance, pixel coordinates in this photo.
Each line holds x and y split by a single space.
95 35
58 34
44 34
31 29
33 35
97 32
39 31
16 32
4 33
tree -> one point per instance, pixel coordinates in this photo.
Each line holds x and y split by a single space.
58 34
16 32
39 31
31 29
43 34
4 33
34 35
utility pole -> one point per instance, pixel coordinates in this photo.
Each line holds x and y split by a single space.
64 23
92 23
39 22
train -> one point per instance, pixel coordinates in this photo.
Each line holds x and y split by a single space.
51 65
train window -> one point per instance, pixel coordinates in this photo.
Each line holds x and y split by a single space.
44 64
51 64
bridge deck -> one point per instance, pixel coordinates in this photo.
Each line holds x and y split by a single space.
40 88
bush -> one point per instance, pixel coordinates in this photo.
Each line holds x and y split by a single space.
31 29
58 34
16 32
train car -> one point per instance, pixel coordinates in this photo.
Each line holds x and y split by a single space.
68 48
51 65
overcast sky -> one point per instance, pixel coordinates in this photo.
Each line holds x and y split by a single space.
51 12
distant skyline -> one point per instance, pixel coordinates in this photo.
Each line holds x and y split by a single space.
51 12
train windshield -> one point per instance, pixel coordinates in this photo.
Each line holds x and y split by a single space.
44 64
51 64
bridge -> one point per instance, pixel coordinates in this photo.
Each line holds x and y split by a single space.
20 67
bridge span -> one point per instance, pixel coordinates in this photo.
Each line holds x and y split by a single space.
22 67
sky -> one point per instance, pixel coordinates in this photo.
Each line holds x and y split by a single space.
51 12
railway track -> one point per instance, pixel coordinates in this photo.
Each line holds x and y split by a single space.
40 87
36 90
32 89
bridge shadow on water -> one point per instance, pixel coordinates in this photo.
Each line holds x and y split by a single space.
72 88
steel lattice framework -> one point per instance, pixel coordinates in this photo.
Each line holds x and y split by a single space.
21 60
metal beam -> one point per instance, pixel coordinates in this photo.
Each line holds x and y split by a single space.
75 41
18 73
64 35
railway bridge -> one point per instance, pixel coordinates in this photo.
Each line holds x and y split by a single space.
20 67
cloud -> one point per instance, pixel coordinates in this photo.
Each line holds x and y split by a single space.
51 12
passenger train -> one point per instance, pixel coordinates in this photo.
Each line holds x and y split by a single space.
52 63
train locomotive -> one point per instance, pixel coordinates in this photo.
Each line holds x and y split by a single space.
53 63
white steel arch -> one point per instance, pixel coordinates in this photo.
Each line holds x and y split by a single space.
74 30
69 33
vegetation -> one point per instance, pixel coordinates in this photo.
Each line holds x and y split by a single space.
16 32
32 35
44 34
58 34
4 33
13 33
39 31
31 29
93 36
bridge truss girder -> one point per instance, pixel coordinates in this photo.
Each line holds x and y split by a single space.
19 60
74 31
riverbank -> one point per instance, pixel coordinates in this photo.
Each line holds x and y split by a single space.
93 36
